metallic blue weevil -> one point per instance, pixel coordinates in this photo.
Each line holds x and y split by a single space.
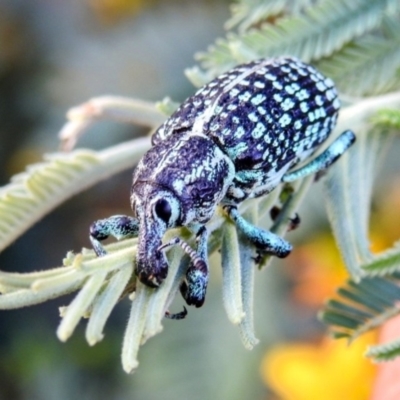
236 138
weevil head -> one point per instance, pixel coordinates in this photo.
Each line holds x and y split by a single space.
177 183
157 210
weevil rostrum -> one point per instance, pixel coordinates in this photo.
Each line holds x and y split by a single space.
236 138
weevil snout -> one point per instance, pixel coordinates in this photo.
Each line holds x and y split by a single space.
157 209
152 270
151 263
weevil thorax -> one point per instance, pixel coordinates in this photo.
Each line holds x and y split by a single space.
178 182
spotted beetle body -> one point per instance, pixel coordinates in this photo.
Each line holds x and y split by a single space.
238 137
265 116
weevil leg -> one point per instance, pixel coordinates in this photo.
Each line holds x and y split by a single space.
294 222
193 288
264 240
118 226
179 315
325 159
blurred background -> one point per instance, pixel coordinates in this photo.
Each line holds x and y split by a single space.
55 54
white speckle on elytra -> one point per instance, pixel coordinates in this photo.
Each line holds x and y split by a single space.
321 86
304 106
261 110
244 96
214 127
232 107
329 82
258 131
330 94
239 132
253 117
260 85
287 104
258 99
298 125
285 120
234 92
270 77
302 94
336 103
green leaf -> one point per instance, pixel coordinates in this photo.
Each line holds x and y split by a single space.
247 270
367 65
167 106
322 29
34 193
346 309
387 118
362 306
384 263
384 352
340 319
231 274
248 13
348 190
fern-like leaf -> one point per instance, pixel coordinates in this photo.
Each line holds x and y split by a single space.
385 263
348 189
34 193
322 29
384 352
248 13
368 65
362 306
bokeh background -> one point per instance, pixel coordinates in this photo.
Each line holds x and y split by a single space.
55 54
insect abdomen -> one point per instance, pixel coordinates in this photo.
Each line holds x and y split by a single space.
280 112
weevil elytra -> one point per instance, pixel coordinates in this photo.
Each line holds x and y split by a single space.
236 138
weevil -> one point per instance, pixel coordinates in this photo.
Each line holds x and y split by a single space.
236 138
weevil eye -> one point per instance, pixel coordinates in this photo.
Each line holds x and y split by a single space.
163 210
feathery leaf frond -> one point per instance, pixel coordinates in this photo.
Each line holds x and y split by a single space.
362 306
384 352
248 13
34 193
317 33
367 66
